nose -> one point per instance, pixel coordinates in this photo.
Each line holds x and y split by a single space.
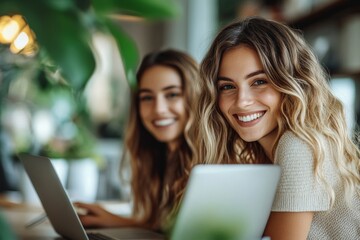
244 98
161 105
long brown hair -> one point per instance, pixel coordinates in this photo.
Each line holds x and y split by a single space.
157 178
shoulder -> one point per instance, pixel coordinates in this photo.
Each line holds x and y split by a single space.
295 158
298 189
289 139
291 147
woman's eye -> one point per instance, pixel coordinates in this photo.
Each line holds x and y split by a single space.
260 82
173 95
145 98
226 87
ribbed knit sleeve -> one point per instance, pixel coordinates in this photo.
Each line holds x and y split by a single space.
298 189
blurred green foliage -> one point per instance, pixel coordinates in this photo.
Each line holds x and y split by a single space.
211 226
63 29
66 57
5 230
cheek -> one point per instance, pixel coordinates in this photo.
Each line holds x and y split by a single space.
223 104
180 108
274 101
143 111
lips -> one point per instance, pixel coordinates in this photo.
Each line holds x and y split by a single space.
250 117
164 122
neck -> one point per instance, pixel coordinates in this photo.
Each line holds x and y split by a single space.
171 147
268 142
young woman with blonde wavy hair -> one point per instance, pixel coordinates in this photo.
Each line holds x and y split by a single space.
156 141
266 100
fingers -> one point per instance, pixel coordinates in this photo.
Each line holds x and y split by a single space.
99 217
89 221
93 209
96 215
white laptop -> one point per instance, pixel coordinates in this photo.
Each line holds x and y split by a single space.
220 202
227 202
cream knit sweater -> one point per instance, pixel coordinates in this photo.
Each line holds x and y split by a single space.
299 191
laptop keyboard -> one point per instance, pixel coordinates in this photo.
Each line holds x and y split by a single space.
98 236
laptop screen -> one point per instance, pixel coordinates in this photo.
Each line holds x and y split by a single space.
227 202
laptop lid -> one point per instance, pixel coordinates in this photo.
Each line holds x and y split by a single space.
53 197
59 208
227 202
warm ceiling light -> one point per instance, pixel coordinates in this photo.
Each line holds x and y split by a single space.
21 40
10 28
15 31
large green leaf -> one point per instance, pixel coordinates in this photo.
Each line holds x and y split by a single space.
150 9
59 4
61 32
64 37
8 7
5 229
128 51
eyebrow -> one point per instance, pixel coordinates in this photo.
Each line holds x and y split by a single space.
146 90
252 74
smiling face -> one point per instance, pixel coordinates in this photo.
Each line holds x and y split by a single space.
246 98
162 104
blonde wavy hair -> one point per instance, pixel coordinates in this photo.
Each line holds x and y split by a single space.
308 108
157 178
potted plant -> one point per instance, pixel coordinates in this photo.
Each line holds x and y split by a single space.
65 59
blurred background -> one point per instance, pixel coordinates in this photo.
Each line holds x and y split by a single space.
76 116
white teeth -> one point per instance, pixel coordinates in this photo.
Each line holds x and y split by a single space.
164 122
251 117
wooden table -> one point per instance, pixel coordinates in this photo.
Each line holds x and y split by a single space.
19 216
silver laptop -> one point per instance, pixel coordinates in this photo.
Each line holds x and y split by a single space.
220 202
227 202
60 210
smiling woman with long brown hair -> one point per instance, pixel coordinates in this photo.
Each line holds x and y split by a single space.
156 141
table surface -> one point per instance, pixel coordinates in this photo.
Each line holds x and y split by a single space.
19 215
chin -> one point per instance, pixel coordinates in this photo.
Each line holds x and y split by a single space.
165 139
249 140
248 137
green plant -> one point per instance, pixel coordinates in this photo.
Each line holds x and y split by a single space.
5 230
63 30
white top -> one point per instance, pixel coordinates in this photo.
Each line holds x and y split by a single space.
299 191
